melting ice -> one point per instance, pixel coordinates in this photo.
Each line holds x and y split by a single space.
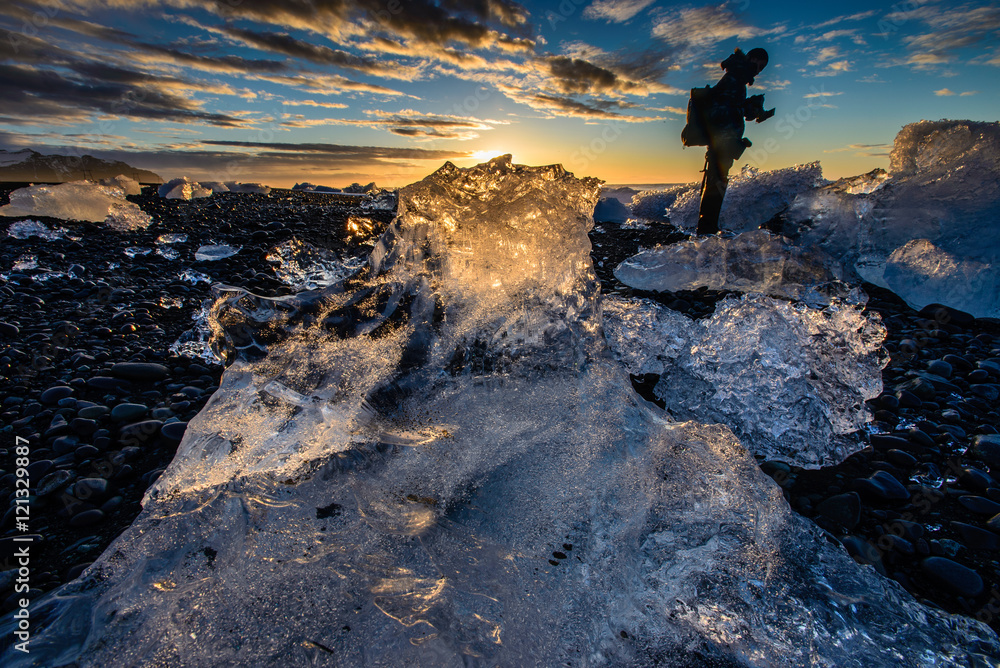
439 462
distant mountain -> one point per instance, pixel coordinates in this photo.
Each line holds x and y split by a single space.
31 166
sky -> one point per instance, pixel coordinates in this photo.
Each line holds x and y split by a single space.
339 91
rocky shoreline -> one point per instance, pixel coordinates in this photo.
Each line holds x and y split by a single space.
88 378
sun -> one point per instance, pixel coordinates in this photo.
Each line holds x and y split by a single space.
483 156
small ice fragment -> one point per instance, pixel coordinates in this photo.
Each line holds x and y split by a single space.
307 267
171 302
136 251
192 276
635 224
215 252
25 229
171 238
168 252
25 262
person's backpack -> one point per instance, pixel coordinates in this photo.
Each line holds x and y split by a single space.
695 133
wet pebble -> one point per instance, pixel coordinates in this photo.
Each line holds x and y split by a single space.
882 485
986 448
843 510
53 482
958 578
128 412
87 518
979 505
52 395
139 371
976 538
173 431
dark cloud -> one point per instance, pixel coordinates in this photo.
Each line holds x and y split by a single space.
596 110
573 75
35 95
288 45
344 151
228 64
407 123
468 22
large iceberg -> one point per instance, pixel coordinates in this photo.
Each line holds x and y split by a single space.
443 464
79 200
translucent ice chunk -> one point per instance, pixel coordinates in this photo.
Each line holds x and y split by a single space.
306 267
790 380
610 210
171 238
383 200
192 276
213 252
752 199
78 200
750 262
127 185
922 274
183 188
136 251
25 262
25 229
942 186
195 342
447 462
257 188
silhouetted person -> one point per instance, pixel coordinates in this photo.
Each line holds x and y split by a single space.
716 119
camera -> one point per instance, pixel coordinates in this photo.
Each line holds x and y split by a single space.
753 109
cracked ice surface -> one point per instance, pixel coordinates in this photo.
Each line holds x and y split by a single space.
444 466
789 379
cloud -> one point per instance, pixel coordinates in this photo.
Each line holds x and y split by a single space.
860 16
407 123
314 103
865 150
573 75
825 54
944 92
821 93
287 45
327 84
565 106
968 92
616 11
952 29
702 27
37 96
473 23
343 151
